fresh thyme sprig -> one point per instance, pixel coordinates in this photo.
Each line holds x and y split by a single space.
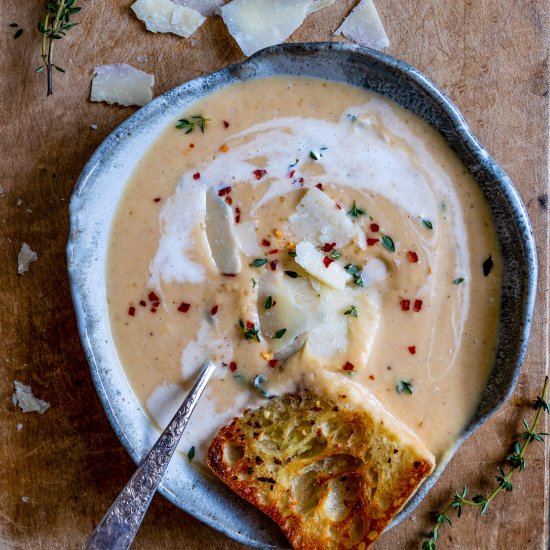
53 27
516 461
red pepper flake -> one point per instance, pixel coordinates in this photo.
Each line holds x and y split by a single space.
131 311
153 297
300 181
229 200
372 242
197 176
232 366
374 227
156 199
274 251
417 305
413 256
405 305
412 350
273 265
153 310
184 308
191 145
272 363
249 325
225 124
319 186
142 303
291 174
329 247
371 377
237 215
259 173
338 206
327 261
224 191
265 242
348 366
214 310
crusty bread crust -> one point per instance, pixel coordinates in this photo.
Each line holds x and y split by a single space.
331 475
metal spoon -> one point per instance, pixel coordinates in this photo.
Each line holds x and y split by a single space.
119 526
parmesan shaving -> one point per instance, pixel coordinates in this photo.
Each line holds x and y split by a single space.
363 26
25 257
123 84
257 24
166 16
317 5
27 402
204 7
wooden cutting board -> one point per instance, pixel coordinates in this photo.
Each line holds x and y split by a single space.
62 470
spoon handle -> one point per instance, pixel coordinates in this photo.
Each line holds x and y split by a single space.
119 526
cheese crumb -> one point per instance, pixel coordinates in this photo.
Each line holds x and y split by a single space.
25 257
166 16
363 26
123 84
27 402
19 427
255 26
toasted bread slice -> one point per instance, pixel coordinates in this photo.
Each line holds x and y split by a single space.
331 473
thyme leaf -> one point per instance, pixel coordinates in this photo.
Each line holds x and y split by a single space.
351 311
356 211
404 386
188 124
427 224
388 244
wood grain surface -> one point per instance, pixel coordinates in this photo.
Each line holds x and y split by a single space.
489 56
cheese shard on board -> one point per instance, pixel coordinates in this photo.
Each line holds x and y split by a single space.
318 219
220 233
25 257
166 16
364 26
123 84
317 5
204 7
26 401
315 263
257 24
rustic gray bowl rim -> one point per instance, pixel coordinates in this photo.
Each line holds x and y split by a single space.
89 227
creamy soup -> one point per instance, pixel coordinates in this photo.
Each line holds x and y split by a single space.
307 225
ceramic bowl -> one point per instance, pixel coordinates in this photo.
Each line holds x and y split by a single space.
102 182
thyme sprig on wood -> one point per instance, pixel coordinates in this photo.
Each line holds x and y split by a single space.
54 26
516 462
